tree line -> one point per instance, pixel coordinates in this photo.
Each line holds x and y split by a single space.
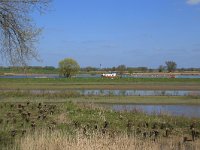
69 67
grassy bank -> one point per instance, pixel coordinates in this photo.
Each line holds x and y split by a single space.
101 83
66 97
99 80
21 121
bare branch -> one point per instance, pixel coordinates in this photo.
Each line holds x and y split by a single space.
18 33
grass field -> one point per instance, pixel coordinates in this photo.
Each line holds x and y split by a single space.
54 98
101 83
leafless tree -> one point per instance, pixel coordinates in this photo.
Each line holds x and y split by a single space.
18 33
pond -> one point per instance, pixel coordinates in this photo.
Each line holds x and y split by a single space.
188 76
192 111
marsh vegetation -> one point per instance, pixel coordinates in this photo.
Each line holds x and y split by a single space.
29 122
69 120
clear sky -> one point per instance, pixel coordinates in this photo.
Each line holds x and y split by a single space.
113 32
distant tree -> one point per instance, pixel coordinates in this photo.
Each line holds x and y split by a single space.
113 69
130 70
161 68
142 69
171 66
121 69
89 68
68 67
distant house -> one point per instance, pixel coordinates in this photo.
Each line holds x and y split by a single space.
109 75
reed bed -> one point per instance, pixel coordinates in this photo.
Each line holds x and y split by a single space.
57 140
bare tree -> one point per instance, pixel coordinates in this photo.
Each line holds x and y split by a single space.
18 33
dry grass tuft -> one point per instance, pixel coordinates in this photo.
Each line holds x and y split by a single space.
59 141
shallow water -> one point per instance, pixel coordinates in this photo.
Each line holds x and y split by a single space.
98 76
49 76
140 92
174 110
116 92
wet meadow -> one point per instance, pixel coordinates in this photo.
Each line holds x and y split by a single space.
68 120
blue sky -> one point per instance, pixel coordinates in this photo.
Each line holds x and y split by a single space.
113 32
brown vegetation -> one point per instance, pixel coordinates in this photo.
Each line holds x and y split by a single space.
59 141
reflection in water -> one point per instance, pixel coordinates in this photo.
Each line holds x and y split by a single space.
117 92
175 110
140 92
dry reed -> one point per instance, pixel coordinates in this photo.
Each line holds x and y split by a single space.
57 140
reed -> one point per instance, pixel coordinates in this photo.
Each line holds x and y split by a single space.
59 141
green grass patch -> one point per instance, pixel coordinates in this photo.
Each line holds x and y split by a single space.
97 80
66 97
100 83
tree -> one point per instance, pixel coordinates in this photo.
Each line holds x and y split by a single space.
171 66
18 34
121 69
161 68
68 67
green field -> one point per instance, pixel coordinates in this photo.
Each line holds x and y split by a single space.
101 83
60 98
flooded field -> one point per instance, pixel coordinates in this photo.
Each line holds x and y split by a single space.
140 92
192 111
86 92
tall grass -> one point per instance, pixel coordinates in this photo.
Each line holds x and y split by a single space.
59 141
